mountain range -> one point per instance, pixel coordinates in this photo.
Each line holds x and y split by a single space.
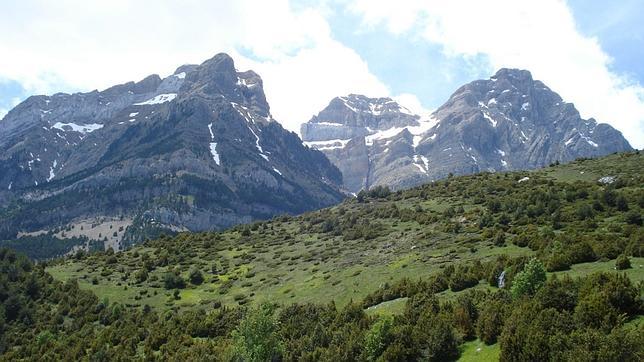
200 150
507 122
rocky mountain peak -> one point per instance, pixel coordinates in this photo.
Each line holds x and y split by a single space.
220 63
184 69
217 77
360 106
512 75
356 115
147 84
507 122
204 131
358 103
520 122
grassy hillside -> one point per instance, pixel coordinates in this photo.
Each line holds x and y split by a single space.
345 252
410 275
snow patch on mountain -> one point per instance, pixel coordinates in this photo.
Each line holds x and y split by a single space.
490 119
257 145
425 124
161 98
345 100
81 128
213 146
52 174
422 163
213 152
571 140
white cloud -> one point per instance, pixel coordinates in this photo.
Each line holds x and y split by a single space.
303 84
79 45
75 44
540 36
411 102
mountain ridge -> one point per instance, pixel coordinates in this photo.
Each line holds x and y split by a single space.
197 150
507 122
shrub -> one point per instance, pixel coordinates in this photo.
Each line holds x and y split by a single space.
141 275
528 281
584 212
435 334
378 338
256 337
534 334
379 192
622 295
499 239
462 280
634 218
173 281
196 277
621 203
558 262
622 262
596 311
44 337
464 317
581 252
490 322
558 293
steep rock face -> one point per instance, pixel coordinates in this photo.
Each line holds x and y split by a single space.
364 137
507 122
197 150
512 122
355 116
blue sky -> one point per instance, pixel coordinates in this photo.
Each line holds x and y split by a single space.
11 92
618 26
408 64
417 51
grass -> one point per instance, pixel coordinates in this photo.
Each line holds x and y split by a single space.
391 307
341 279
291 260
311 281
636 324
590 170
635 273
477 351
